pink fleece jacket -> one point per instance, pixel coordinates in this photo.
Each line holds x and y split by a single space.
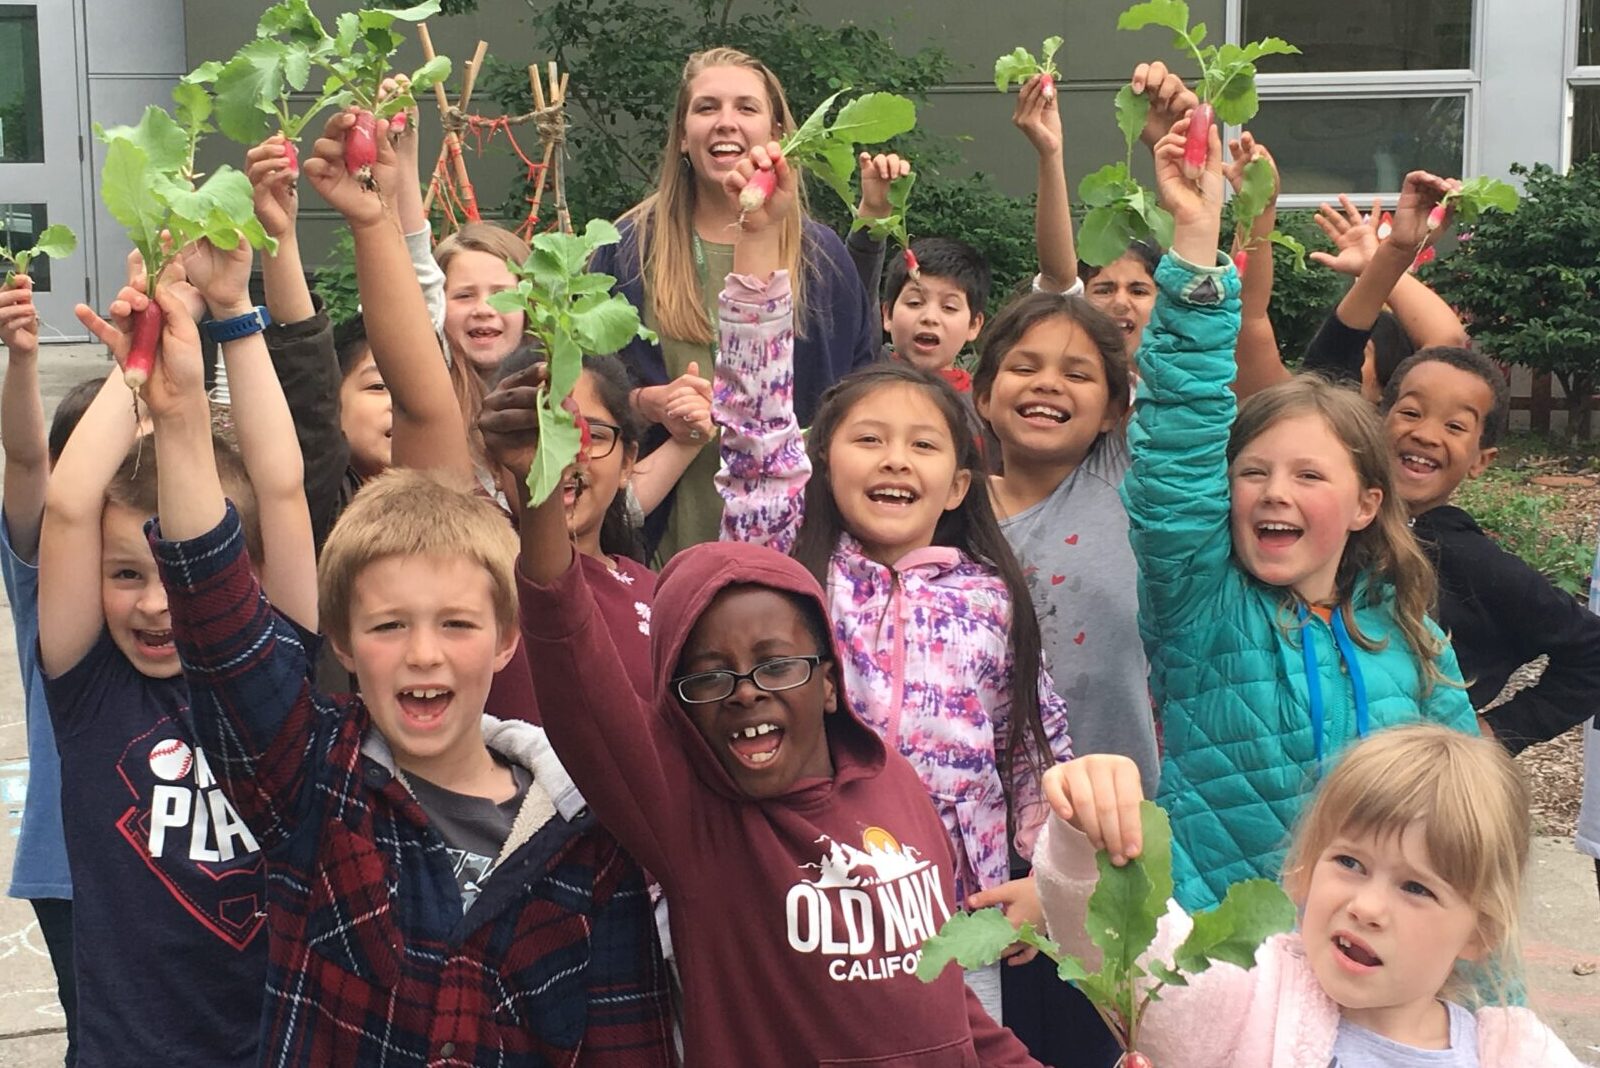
1274 1015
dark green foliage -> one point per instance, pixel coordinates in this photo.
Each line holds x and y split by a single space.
1528 285
335 281
1301 300
621 98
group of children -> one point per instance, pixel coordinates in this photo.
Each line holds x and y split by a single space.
366 759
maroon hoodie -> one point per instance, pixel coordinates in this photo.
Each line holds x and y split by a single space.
796 920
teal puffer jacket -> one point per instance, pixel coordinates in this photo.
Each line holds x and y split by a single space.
1247 727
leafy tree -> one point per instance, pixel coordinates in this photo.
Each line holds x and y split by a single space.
1528 285
620 98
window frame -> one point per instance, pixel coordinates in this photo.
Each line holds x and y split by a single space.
1578 77
1327 85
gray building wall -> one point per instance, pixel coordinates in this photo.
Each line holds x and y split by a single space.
1516 93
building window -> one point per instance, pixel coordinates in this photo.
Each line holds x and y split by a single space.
21 116
1589 33
20 227
1365 35
1585 121
1361 144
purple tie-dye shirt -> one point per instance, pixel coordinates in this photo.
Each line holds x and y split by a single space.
927 642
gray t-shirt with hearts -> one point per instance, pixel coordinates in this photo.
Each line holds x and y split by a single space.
1073 546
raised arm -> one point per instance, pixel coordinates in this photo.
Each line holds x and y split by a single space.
1257 357
764 464
70 615
1038 116
866 251
408 206
1176 492
429 431
22 426
300 339
266 435
620 755
246 668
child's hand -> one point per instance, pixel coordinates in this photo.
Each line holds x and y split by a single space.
19 319
1419 194
401 164
1243 150
178 381
1019 900
221 276
779 203
1354 237
509 420
876 174
1038 116
1099 794
273 185
1189 202
1170 99
344 192
686 409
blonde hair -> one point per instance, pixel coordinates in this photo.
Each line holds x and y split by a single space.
134 486
481 237
664 220
1385 551
407 512
1471 799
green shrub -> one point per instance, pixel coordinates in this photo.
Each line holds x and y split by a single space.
1522 522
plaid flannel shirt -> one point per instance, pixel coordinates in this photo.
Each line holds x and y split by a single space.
372 961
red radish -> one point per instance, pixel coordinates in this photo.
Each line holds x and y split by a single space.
1241 259
1047 83
397 124
361 147
757 190
1198 143
913 268
1135 1059
570 404
140 362
292 154
1436 216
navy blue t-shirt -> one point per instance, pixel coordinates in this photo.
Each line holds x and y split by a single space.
169 914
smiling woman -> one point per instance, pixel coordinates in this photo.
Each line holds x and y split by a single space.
676 248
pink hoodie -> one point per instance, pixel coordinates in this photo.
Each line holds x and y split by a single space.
1274 1015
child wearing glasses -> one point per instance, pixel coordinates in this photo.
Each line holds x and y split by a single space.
799 853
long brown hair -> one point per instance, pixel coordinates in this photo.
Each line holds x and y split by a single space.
1384 551
664 220
970 527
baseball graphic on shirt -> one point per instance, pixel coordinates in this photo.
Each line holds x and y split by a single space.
171 759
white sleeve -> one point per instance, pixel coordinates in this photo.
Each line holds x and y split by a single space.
1074 290
429 276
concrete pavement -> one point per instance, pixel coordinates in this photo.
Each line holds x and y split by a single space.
1561 934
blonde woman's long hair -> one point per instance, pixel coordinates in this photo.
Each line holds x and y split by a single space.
1385 551
664 220
1472 801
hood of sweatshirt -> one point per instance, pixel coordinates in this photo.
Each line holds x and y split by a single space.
687 586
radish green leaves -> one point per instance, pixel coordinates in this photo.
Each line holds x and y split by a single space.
570 312
55 242
1123 913
256 87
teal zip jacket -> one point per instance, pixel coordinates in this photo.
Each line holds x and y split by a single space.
1256 697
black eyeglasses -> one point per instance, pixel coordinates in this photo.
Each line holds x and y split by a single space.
783 673
603 438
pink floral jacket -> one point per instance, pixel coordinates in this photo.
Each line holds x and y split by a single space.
927 642
1275 1015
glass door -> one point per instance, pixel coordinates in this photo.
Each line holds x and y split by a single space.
41 152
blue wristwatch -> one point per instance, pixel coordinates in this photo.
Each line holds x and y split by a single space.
251 322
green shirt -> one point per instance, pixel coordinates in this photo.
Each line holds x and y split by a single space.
697 509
